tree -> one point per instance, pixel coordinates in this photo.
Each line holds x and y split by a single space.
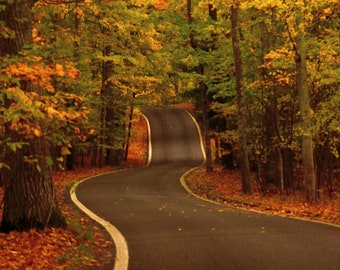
30 200
241 103
305 109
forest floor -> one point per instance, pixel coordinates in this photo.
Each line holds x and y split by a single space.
224 186
86 245
83 244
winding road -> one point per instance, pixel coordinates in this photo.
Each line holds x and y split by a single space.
158 225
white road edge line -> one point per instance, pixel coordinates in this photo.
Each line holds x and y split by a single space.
122 254
184 184
149 140
200 135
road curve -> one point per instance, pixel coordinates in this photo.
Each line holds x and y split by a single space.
174 137
166 228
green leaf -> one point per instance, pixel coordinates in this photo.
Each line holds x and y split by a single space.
49 161
65 151
4 165
38 168
15 145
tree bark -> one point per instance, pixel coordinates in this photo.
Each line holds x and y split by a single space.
241 103
17 17
309 174
106 70
29 200
128 136
115 141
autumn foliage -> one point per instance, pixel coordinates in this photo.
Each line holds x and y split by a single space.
83 244
72 73
39 109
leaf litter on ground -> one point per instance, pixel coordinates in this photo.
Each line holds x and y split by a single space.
224 186
83 244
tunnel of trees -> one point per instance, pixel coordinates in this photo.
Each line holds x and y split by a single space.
263 74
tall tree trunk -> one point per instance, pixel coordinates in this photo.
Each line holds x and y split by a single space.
106 70
102 133
241 103
30 199
128 136
309 174
272 169
205 106
71 159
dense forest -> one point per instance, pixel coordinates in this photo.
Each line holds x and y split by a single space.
263 75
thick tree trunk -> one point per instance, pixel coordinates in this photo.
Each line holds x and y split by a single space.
18 19
309 174
241 103
30 199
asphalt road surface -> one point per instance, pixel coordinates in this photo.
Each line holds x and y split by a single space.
166 228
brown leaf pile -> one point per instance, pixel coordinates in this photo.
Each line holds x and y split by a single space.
224 186
53 249
84 244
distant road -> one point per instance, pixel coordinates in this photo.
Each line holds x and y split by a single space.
168 229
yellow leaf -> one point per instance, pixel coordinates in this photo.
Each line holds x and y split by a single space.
37 132
65 151
59 70
327 10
